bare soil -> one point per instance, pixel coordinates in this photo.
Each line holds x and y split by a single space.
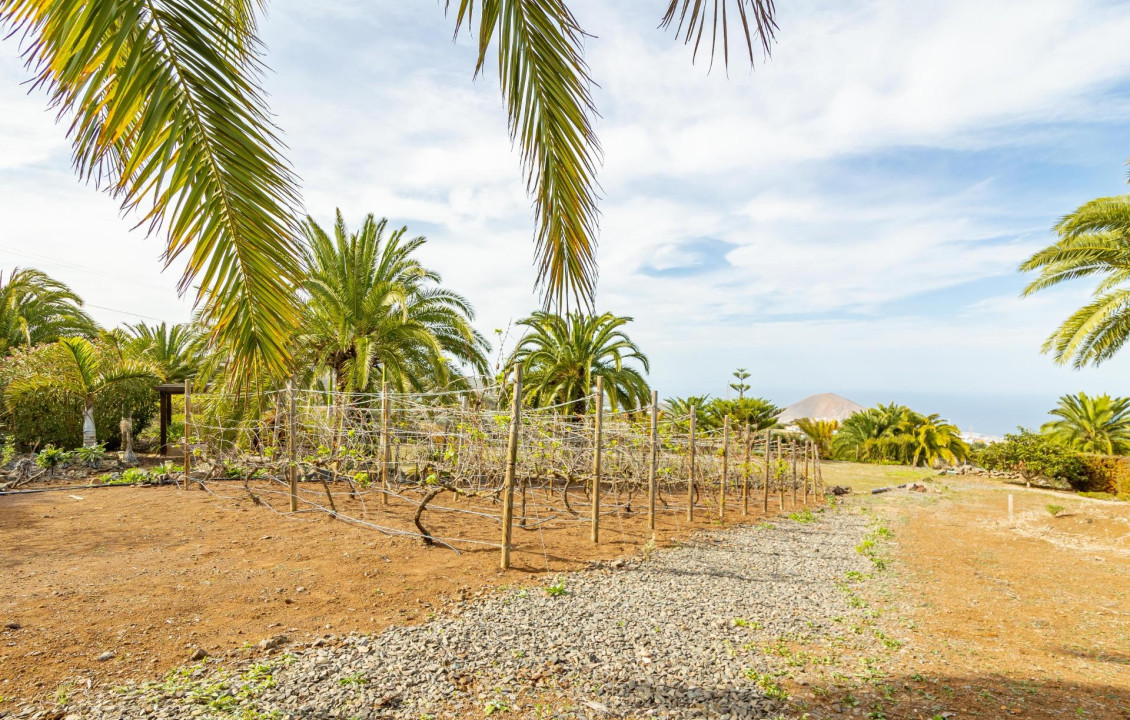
153 574
1028 618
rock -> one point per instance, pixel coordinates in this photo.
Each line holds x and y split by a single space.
108 655
273 642
12 626
198 655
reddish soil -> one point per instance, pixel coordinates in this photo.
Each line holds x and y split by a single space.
1029 619
152 574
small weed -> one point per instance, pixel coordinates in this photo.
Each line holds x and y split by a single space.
743 623
495 706
1054 510
557 589
853 576
767 684
355 680
803 516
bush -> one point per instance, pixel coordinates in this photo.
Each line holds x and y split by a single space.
48 418
1107 474
1034 456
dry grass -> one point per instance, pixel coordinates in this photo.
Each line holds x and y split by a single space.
862 477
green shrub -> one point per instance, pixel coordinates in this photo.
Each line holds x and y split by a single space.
1107 474
1035 457
1054 510
51 457
49 418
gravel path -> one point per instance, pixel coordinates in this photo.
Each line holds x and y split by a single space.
656 638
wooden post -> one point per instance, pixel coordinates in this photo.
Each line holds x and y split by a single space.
385 443
781 481
511 468
291 449
654 460
793 451
597 448
690 475
807 453
745 471
768 462
725 468
1010 509
187 430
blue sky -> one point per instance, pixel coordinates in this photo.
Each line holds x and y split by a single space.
847 217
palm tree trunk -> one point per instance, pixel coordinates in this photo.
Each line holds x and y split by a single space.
89 438
126 427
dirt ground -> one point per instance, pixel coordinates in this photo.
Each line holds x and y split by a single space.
1028 618
153 574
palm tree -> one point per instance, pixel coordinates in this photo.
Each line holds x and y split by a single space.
820 432
169 115
172 350
35 308
1099 424
1093 241
679 408
373 310
562 355
89 374
758 412
895 433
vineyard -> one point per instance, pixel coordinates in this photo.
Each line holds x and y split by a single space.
482 454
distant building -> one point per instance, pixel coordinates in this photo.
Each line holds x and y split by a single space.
825 406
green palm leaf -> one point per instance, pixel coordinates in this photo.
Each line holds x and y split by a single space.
168 116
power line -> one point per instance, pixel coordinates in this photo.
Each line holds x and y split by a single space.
126 312
80 268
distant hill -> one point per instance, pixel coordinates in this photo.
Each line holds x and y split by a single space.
825 406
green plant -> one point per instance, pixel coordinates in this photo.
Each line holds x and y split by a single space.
51 457
803 516
355 680
768 685
557 588
1099 424
1054 510
495 706
7 450
1034 456
90 455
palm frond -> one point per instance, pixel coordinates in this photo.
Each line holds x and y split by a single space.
546 87
756 18
167 114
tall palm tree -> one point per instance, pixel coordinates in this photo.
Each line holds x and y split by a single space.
88 375
373 310
1093 241
35 308
1099 424
895 433
169 116
937 439
562 355
820 432
172 350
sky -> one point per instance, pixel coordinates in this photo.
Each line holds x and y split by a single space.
846 217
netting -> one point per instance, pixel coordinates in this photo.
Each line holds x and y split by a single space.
443 457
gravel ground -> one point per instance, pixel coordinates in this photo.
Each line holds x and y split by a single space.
661 637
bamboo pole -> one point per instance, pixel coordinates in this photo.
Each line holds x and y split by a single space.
768 462
385 444
725 468
597 449
291 442
745 471
654 460
511 468
187 430
690 475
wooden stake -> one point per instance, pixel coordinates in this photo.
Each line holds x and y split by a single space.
385 443
781 481
511 468
291 450
187 430
745 471
597 449
690 475
768 462
725 468
654 460
807 452
793 451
